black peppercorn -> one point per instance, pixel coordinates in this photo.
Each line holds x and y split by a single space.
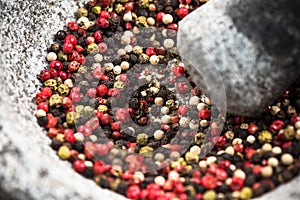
60 35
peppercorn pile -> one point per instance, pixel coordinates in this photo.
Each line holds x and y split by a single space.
118 104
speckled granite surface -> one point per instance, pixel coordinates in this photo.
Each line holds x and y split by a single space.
29 168
253 44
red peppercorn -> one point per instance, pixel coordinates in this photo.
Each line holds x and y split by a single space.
221 174
106 119
133 192
91 92
150 51
182 87
67 47
204 114
52 121
71 39
98 36
159 16
105 3
69 136
113 92
238 147
73 66
66 102
102 90
116 134
104 14
237 183
46 91
276 125
63 75
252 128
221 141
80 58
56 64
178 70
182 12
102 47
53 73
40 97
173 27
129 6
79 48
183 109
79 166
52 132
44 106
45 75
224 164
75 97
102 22
87 131
294 119
122 115
73 26
209 182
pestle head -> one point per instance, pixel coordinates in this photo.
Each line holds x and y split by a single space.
249 50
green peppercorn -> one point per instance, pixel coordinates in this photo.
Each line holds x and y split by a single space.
55 100
71 117
144 4
191 157
102 108
246 193
199 138
63 90
142 138
119 85
210 195
96 10
137 50
170 104
64 153
82 12
51 83
144 58
141 22
62 56
93 48
289 132
146 151
265 137
79 109
119 8
88 111
82 69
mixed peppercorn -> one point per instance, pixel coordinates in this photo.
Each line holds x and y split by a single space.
118 104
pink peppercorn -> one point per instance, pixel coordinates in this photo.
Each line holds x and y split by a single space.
209 182
133 192
178 70
159 16
71 39
102 22
182 12
73 26
237 183
44 106
102 90
46 91
98 36
53 73
79 166
106 119
102 47
66 102
56 64
204 114
67 47
45 75
276 125
91 92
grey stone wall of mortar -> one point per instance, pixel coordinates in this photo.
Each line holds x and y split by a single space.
29 168
253 44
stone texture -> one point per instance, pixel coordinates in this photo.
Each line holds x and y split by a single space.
244 52
30 169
